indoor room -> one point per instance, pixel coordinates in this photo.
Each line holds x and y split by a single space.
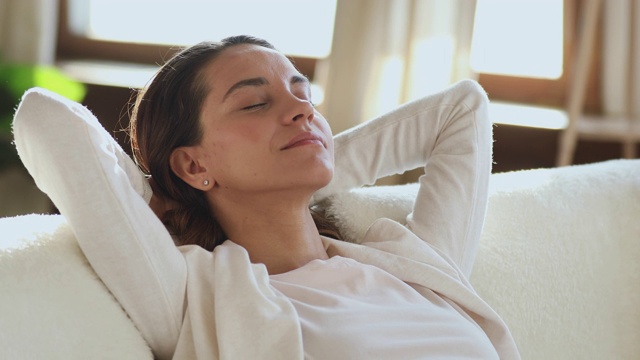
550 187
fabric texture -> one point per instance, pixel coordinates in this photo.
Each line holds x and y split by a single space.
372 314
568 240
149 276
52 305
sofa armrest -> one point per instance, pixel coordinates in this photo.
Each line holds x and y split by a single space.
559 260
52 305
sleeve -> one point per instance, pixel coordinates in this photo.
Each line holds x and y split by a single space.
448 133
103 196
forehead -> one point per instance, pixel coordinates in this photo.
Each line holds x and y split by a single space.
247 61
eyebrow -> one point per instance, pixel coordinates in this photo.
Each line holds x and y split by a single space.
260 81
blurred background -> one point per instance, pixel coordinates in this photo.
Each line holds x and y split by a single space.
545 64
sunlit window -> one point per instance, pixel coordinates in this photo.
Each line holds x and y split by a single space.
518 38
295 27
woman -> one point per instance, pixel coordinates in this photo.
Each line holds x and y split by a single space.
236 152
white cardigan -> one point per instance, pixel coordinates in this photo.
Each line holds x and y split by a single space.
190 303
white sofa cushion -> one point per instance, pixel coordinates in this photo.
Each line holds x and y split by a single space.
52 304
559 260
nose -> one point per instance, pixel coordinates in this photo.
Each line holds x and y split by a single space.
299 110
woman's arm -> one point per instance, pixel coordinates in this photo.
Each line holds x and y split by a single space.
448 133
103 196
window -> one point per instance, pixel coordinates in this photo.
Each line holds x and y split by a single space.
518 45
296 27
518 38
518 86
148 31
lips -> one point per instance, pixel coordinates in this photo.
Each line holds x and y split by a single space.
305 138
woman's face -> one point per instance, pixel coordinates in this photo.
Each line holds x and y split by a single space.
260 129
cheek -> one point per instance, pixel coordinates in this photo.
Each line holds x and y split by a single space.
324 126
322 123
237 136
236 147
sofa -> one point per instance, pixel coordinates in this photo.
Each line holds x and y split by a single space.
558 260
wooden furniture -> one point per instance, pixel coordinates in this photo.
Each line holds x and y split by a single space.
624 128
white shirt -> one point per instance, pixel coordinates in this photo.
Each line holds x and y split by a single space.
349 310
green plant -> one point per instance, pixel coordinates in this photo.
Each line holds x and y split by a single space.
15 79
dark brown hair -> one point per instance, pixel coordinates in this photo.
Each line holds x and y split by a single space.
166 115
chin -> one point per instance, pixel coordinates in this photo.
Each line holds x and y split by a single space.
320 179
326 176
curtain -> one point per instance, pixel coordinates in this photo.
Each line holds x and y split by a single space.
387 52
28 31
27 36
621 58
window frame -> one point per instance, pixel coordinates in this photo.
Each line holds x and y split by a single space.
550 92
71 46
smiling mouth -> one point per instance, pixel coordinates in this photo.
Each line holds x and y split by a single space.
303 140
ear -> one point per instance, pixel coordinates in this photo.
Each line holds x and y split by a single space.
184 162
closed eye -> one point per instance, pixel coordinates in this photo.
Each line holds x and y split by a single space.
254 106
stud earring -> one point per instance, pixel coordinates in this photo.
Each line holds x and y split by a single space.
205 183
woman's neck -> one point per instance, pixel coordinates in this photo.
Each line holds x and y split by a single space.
281 235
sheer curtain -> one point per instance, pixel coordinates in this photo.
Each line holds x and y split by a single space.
28 31
27 36
621 58
387 52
